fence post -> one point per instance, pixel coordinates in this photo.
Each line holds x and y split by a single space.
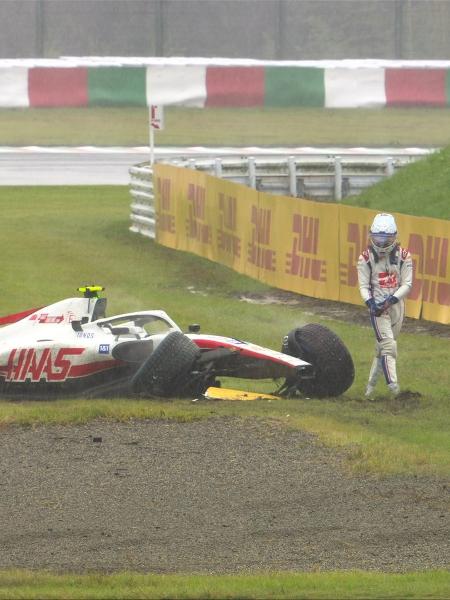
337 178
292 177
251 172
218 167
389 166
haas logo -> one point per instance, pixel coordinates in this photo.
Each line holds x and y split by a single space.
387 280
29 364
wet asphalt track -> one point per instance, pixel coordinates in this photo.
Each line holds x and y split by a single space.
88 165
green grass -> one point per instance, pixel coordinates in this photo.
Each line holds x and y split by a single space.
421 189
15 585
232 126
56 238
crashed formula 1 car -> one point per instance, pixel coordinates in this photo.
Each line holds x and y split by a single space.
71 348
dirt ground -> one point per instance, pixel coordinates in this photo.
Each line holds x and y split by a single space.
216 496
341 311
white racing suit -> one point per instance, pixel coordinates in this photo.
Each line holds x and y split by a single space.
379 276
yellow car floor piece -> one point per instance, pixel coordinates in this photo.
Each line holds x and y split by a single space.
215 393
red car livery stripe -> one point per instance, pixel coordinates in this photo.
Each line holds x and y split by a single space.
246 350
208 344
95 367
9 319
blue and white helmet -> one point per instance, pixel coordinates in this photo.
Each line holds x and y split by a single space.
383 233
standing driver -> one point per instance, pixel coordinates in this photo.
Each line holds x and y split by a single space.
385 274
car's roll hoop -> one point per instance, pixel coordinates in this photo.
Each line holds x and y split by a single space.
97 310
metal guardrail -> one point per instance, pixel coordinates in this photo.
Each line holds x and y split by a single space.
143 200
322 178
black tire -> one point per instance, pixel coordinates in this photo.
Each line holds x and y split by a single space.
333 364
166 371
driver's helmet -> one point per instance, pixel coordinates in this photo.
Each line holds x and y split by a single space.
383 233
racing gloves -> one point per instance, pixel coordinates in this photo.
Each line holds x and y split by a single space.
390 300
374 309
378 309
386 305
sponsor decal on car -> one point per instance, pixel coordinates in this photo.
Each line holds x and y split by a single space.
46 318
103 349
28 364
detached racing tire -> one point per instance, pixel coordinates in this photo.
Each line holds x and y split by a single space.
334 371
166 371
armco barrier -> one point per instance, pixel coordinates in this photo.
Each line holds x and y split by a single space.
291 243
320 177
201 83
143 201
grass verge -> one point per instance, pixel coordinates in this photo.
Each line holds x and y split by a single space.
419 189
15 585
227 127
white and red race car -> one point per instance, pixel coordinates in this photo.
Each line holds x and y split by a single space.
71 348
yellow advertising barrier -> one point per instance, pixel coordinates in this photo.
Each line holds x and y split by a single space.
298 245
166 221
428 242
301 237
184 219
231 203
